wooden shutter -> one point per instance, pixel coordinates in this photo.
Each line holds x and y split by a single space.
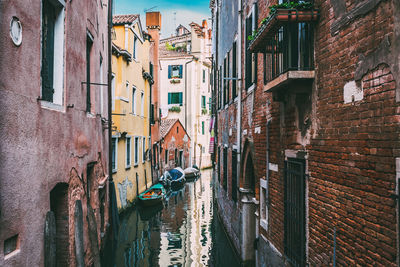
180 99
169 71
169 98
47 72
180 71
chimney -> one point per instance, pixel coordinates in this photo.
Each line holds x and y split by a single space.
153 20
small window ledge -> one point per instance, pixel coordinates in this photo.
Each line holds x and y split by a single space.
264 224
51 106
290 78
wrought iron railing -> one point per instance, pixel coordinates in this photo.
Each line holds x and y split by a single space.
291 48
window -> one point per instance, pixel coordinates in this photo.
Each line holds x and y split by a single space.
228 75
225 82
133 100
142 104
166 156
225 168
203 101
234 175
52 72
219 88
177 129
174 71
176 157
113 91
114 143
209 104
152 121
127 88
101 88
134 47
128 152
251 59
144 149
202 127
204 76
175 98
234 70
149 149
137 140
89 44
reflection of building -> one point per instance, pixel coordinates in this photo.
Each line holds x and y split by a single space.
54 146
184 85
175 145
131 108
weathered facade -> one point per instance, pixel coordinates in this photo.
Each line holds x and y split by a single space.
175 145
54 151
185 91
131 109
153 24
318 176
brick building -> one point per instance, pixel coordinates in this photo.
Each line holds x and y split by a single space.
54 194
175 145
319 153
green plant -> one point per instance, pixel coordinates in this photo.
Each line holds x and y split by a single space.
170 47
204 111
175 81
252 36
303 5
175 109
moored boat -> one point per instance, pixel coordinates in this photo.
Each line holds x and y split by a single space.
152 196
191 173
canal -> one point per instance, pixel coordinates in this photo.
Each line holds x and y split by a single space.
184 231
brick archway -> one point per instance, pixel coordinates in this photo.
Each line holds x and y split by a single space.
248 170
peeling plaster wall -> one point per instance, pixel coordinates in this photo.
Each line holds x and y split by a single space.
41 146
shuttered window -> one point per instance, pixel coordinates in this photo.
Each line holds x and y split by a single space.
174 71
175 98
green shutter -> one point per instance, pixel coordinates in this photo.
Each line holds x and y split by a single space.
180 99
180 71
169 71
169 98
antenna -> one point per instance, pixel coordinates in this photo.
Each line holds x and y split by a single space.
149 9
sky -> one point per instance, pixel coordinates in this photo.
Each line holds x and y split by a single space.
186 12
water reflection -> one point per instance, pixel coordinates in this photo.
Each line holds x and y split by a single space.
178 233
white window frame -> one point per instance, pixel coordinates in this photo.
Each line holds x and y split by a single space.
113 91
263 204
58 50
134 100
136 148
142 104
134 51
115 139
143 149
150 147
128 164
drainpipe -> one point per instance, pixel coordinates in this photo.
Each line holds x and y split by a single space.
113 199
186 75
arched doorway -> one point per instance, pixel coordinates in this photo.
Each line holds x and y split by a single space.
59 206
248 206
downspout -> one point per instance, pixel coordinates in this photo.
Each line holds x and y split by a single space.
239 109
113 199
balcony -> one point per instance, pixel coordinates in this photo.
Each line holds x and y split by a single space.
278 18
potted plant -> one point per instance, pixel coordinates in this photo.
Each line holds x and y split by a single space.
175 109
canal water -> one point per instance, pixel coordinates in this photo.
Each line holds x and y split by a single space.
184 231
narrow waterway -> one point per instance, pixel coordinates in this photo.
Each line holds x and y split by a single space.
184 231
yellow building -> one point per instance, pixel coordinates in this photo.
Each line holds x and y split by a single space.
130 107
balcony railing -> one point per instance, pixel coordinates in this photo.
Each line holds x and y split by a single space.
290 48
278 18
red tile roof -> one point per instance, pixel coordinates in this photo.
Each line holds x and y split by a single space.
166 125
125 19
